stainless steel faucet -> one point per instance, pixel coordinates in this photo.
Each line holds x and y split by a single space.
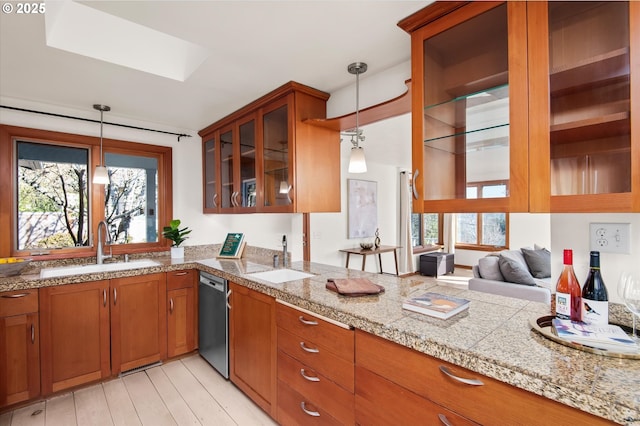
284 251
100 256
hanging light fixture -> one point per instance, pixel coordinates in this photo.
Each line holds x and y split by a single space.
357 163
100 175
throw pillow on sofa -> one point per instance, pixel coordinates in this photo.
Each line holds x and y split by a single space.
489 268
515 271
538 261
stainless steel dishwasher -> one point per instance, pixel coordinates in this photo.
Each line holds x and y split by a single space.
213 316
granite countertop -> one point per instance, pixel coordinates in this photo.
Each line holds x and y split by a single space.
493 337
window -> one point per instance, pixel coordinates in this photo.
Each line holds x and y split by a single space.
47 194
426 229
483 230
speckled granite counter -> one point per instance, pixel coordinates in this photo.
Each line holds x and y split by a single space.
492 338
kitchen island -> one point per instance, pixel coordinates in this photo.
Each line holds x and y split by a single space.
493 338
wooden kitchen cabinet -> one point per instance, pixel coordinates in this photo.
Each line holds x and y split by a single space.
315 369
75 337
485 401
138 321
93 330
182 314
525 106
20 347
266 158
252 345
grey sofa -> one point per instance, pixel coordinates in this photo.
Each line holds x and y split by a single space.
523 274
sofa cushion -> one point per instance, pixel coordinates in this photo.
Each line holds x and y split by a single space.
489 268
515 271
538 261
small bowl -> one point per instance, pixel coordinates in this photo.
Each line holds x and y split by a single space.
14 268
366 246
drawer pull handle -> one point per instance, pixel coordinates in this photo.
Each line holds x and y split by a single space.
444 420
14 296
307 322
306 349
309 412
472 382
180 274
309 378
33 334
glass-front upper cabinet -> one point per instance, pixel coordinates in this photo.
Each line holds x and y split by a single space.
276 157
246 197
467 133
210 192
227 191
593 151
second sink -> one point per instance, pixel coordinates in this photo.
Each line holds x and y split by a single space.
278 276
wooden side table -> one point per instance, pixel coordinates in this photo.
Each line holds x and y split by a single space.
366 252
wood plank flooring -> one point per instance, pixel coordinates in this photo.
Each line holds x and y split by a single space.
182 392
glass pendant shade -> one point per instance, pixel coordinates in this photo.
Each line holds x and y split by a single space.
100 175
357 163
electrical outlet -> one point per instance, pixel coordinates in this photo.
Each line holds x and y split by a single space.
610 237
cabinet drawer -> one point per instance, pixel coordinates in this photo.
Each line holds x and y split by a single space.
489 403
291 406
336 339
316 388
18 302
318 358
181 279
381 402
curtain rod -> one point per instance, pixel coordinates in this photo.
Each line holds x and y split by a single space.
179 135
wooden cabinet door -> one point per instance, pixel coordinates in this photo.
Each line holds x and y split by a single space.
19 358
138 321
252 351
182 302
75 344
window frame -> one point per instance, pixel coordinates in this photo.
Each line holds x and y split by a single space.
8 188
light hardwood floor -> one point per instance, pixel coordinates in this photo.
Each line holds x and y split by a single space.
181 392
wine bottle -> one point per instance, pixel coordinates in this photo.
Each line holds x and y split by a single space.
568 296
595 300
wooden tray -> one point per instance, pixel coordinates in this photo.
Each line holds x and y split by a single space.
543 326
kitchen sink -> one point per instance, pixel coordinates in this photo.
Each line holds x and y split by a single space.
64 271
278 276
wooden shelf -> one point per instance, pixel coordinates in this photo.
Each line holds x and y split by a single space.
592 72
592 128
391 108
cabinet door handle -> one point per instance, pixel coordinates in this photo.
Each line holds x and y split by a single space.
309 412
444 420
215 203
171 305
115 296
307 322
472 382
413 184
228 296
104 297
306 349
309 378
14 296
33 334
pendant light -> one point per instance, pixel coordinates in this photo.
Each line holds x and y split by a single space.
100 175
357 163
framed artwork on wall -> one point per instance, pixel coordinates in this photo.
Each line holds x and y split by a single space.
362 209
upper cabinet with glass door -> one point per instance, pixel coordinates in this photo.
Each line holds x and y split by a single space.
281 163
585 95
469 107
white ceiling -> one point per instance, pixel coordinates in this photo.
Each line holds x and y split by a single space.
255 46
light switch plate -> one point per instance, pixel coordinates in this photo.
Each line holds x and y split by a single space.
610 237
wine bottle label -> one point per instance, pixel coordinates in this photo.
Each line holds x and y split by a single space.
595 312
563 306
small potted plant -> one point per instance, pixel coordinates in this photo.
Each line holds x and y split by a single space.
177 235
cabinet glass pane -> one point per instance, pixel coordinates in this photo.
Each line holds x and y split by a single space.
589 97
276 157
248 163
466 113
210 195
226 169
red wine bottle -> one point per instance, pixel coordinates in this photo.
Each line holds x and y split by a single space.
568 300
595 300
